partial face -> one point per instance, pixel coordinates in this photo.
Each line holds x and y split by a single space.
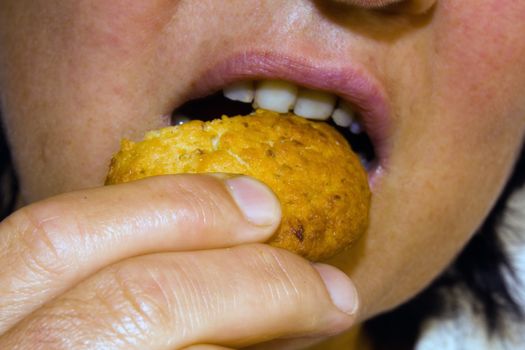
440 93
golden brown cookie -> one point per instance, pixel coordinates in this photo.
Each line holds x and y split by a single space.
322 187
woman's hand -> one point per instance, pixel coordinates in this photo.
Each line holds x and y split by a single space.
161 263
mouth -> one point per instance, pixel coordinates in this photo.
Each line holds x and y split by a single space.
344 98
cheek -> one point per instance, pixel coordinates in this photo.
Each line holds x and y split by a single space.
480 51
480 83
70 81
120 26
459 129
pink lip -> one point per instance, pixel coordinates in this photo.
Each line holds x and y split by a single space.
351 82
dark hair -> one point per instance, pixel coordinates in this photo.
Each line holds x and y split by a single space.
479 270
399 329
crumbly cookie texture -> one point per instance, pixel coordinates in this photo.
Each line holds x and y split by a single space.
319 180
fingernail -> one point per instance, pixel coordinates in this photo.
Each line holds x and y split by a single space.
258 203
341 289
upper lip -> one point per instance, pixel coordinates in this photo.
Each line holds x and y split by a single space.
351 82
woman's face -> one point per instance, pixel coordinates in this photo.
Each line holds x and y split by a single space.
444 91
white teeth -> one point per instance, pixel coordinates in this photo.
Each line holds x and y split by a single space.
282 97
275 95
243 91
314 104
343 115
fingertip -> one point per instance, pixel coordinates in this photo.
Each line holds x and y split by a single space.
258 203
341 289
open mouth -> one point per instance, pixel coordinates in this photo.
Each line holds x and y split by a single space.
243 97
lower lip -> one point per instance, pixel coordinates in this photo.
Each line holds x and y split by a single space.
350 83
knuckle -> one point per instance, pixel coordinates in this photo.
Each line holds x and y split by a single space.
58 327
42 238
284 274
68 324
121 308
44 333
136 297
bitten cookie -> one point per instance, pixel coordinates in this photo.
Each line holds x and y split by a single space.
319 180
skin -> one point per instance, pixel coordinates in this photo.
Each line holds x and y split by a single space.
76 77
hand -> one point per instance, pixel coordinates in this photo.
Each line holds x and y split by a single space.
162 263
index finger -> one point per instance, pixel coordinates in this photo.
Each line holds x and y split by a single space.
52 245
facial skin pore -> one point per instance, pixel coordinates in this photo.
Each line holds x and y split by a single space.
78 76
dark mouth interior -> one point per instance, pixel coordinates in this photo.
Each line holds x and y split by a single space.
216 105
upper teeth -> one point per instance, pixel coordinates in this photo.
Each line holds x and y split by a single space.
314 104
343 115
275 95
280 96
242 91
